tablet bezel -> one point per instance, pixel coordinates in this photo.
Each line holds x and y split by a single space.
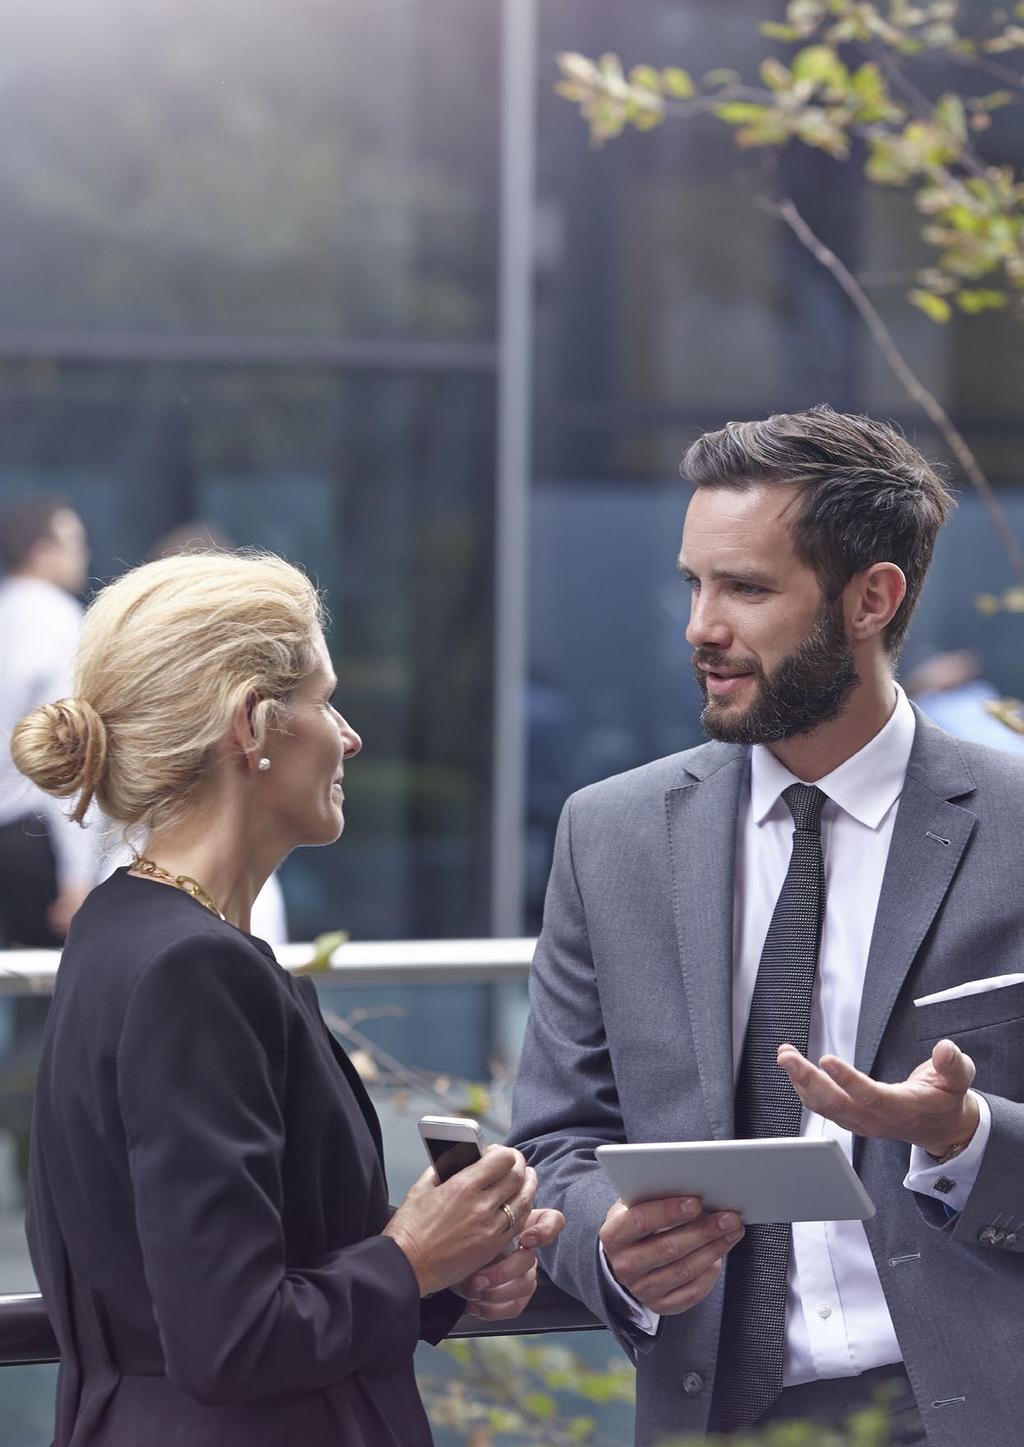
792 1178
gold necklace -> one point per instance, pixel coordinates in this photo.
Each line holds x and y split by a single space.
141 865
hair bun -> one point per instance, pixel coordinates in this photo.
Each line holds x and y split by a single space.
62 747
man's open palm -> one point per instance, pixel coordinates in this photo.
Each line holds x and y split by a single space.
932 1108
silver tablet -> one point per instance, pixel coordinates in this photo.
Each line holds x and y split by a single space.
789 1179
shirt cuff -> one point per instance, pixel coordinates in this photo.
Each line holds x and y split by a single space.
952 1183
641 1316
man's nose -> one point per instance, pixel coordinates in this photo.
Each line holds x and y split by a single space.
707 627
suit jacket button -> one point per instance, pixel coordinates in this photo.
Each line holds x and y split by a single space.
988 1235
692 1384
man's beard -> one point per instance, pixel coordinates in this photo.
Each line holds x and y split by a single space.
807 689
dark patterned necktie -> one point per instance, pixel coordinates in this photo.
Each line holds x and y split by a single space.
752 1344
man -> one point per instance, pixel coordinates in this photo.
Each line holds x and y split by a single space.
832 871
47 864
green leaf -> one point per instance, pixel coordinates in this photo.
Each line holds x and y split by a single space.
646 77
540 1405
949 112
775 75
992 102
973 301
501 1420
936 307
805 13
774 31
741 112
323 948
886 165
677 83
577 67
870 90
820 65
963 219
478 1099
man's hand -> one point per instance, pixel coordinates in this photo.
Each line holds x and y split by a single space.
504 1288
932 1108
667 1253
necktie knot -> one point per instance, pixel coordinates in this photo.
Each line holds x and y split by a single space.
805 802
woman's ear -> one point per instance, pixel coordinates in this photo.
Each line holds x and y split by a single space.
243 729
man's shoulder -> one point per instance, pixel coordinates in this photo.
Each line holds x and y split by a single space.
994 768
653 780
959 768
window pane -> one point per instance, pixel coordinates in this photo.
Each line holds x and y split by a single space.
288 168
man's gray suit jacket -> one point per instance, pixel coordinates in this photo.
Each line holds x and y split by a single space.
630 1038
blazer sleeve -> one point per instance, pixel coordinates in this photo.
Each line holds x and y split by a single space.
565 1102
992 1217
200 1069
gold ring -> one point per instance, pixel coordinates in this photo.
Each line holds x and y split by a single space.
509 1216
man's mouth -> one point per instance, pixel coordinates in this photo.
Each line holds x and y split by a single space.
723 682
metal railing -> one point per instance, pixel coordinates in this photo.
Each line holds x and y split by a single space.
26 1337
374 962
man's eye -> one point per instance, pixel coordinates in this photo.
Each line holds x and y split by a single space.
749 589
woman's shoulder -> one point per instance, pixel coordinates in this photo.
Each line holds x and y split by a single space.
129 927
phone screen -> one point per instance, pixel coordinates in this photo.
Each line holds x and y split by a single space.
450 1157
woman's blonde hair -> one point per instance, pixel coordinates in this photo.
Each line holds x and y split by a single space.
167 655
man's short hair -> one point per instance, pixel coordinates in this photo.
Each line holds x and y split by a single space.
25 524
868 496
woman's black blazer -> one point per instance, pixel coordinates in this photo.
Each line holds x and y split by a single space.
206 1196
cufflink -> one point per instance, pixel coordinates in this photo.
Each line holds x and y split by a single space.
943 1185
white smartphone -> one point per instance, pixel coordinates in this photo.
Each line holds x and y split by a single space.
452 1142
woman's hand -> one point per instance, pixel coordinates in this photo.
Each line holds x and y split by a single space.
451 1230
504 1288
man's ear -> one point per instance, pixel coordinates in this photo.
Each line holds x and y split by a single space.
872 599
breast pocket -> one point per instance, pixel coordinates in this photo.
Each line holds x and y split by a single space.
989 1027
954 1018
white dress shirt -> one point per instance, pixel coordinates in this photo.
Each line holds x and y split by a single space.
39 627
837 1322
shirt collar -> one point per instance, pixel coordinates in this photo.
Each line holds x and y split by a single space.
866 785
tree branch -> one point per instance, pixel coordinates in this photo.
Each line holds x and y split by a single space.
898 364
403 1075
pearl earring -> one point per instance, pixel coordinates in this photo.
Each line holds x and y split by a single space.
263 765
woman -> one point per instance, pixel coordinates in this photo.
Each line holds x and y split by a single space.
208 1216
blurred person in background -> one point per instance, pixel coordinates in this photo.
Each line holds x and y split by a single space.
47 864
949 685
208 1215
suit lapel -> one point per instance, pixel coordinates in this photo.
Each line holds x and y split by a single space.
701 818
928 840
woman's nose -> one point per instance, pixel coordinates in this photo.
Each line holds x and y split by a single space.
353 743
